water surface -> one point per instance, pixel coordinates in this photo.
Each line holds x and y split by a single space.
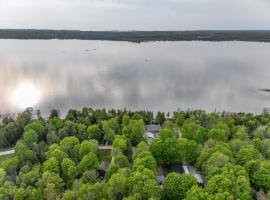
154 76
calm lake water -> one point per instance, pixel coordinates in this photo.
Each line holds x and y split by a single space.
154 76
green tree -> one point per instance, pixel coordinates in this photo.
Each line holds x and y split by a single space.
108 132
165 133
237 144
189 128
125 120
137 133
209 150
179 118
196 193
121 161
94 132
260 177
165 152
230 182
176 186
54 113
219 132
51 185
241 133
119 143
246 154
117 185
57 153
69 129
69 195
10 134
88 191
89 176
67 145
30 176
142 183
264 147
24 153
136 116
87 147
88 162
141 147
82 132
52 137
215 162
145 160
66 165
30 137
160 118
55 123
2 176
51 165
113 168
38 127
20 194
188 150
200 135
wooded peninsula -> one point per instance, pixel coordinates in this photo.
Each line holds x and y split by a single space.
138 36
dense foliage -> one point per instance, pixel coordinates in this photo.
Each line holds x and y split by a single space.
61 158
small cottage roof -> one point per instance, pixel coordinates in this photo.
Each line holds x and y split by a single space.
152 128
150 135
177 168
103 165
198 178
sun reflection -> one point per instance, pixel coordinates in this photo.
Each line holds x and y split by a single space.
25 95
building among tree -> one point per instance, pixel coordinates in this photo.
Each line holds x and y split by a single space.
151 131
102 169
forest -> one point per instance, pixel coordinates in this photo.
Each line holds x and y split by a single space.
62 157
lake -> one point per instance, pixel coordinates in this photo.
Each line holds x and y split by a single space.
164 76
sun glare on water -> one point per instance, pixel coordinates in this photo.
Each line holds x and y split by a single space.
25 95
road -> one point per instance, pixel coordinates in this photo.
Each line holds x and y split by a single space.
8 152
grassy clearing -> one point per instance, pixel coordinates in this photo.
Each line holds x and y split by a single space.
104 155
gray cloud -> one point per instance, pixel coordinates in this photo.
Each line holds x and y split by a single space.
135 14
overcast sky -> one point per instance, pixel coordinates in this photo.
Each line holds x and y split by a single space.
135 14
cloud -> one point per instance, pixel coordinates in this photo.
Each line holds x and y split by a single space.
135 14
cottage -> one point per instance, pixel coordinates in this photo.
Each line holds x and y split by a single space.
199 179
150 137
160 175
188 169
193 171
102 169
151 131
177 168
153 128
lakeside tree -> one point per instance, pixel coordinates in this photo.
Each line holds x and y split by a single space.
60 158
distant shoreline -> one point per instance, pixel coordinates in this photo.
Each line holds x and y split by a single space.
138 36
